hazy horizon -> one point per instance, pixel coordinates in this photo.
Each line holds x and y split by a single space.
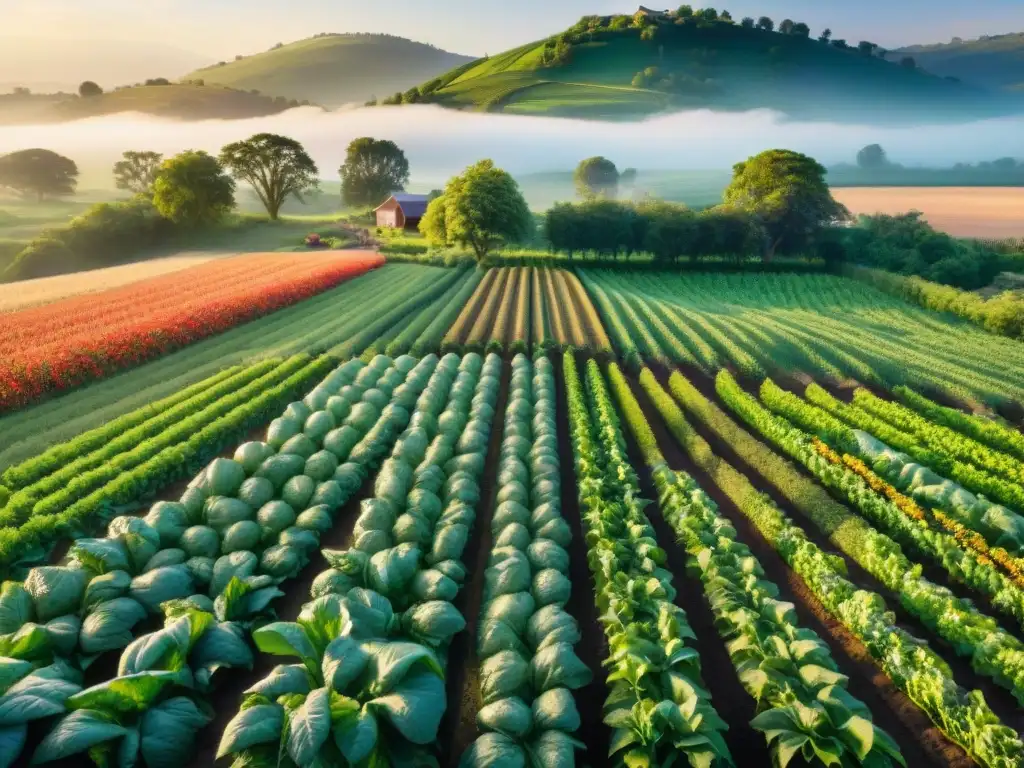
440 142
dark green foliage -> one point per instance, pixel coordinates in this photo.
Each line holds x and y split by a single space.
277 167
373 169
100 237
787 193
192 189
39 173
668 231
136 171
597 177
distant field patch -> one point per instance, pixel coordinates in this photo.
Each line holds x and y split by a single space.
28 293
988 212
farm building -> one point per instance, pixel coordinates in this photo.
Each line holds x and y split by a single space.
401 211
652 14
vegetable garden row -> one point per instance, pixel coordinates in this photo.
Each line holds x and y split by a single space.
430 460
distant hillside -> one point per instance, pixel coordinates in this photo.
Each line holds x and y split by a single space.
993 62
628 68
179 102
335 69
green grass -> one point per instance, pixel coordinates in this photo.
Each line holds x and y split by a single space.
334 69
318 325
719 66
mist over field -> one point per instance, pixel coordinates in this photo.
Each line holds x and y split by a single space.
439 142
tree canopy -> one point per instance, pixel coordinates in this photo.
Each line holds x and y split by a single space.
872 157
596 177
481 209
373 170
88 89
192 189
137 171
275 166
38 172
787 193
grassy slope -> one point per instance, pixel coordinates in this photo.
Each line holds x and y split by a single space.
740 68
997 62
335 70
182 102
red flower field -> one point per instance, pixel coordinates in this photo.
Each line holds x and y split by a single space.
68 343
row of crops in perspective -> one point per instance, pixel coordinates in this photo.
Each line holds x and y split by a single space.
349 513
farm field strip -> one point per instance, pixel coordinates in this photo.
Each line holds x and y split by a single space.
73 507
999 526
994 487
896 343
525 639
993 652
313 326
963 716
426 323
27 374
883 506
405 562
42 290
168 673
523 308
795 671
653 664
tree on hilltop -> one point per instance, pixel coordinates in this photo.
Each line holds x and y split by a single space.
38 172
373 170
872 157
277 167
766 24
137 171
787 194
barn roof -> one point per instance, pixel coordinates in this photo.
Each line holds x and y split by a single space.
413 206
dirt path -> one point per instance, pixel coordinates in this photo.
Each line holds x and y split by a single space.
920 742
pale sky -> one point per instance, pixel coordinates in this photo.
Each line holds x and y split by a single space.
222 28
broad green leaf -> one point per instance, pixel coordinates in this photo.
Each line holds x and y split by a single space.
168 732
356 737
33 698
12 742
222 645
394 661
286 639
787 746
415 706
283 679
344 660
859 735
637 758
774 722
128 749
261 724
324 619
15 607
29 642
817 677
124 695
75 734
309 727
11 671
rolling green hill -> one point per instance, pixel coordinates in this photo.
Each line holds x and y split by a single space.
334 69
993 62
610 68
179 102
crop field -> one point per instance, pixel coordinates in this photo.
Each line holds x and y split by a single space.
520 516
523 308
983 212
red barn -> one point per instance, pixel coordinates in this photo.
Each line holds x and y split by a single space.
401 211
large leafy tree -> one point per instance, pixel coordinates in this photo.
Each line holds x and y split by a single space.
275 166
596 177
136 171
39 173
872 157
787 194
480 210
192 189
373 169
